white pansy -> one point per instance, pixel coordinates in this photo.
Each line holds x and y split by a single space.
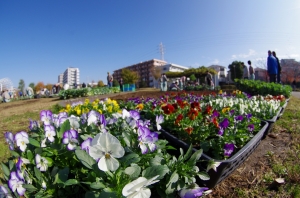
41 162
137 188
106 148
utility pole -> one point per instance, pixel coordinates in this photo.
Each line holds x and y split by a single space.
161 49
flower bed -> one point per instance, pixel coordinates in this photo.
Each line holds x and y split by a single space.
112 154
223 168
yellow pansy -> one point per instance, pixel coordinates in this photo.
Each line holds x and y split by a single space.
140 106
226 109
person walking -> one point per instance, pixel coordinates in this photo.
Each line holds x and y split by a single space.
272 67
121 84
109 79
245 71
279 68
251 71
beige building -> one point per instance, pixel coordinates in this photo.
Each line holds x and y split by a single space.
143 69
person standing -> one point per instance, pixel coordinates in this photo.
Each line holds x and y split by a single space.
121 84
109 79
209 81
279 68
245 71
251 71
272 67
163 82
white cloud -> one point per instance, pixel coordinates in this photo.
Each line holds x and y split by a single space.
249 54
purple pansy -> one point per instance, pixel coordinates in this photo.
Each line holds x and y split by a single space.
221 131
70 138
249 116
33 125
9 137
239 118
224 124
228 149
46 116
134 114
251 128
85 145
215 114
59 119
16 184
192 193
147 139
4 192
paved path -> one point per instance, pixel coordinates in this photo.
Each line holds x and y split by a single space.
296 94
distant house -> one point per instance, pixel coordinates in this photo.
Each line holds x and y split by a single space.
221 75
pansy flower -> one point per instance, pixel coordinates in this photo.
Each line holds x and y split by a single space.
15 184
70 138
106 148
33 125
50 132
251 128
85 145
192 114
46 116
228 149
9 137
168 109
159 120
22 140
41 163
137 188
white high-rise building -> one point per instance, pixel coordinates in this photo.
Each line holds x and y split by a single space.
60 78
71 76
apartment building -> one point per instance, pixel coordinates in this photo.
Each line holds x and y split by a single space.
70 76
60 78
143 69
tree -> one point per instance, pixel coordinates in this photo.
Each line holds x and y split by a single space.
100 83
49 86
21 85
39 86
32 85
193 77
156 73
236 70
129 77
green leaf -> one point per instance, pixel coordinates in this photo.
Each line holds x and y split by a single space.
188 153
62 176
152 171
130 158
195 157
133 171
14 153
91 194
97 185
29 155
157 161
37 173
11 164
5 169
204 176
108 195
171 186
174 178
71 182
29 187
85 158
34 142
64 127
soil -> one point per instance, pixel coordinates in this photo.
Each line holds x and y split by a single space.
249 175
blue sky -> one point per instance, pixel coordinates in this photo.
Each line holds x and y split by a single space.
40 39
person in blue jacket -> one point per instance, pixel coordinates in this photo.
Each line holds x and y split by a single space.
272 67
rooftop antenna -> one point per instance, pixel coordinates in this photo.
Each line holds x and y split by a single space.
161 49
